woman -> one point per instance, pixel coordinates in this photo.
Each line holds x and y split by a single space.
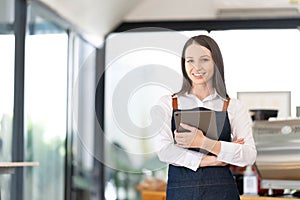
196 174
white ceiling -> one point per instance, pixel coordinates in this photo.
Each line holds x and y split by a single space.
96 18
150 10
92 18
257 8
255 3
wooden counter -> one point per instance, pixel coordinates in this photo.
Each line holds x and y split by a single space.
8 167
153 195
264 198
161 195
18 164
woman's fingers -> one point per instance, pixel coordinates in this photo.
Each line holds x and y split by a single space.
191 138
238 140
188 127
211 161
182 139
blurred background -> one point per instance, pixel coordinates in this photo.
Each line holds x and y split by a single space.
79 80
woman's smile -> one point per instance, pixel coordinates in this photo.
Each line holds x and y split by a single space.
198 75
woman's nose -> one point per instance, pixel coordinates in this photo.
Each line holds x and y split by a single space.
197 66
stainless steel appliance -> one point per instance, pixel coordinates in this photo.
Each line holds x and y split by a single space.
278 153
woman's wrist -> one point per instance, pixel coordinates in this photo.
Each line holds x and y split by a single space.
209 160
199 139
210 145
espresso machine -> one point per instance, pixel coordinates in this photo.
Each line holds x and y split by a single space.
278 153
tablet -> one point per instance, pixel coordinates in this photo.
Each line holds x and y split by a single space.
203 120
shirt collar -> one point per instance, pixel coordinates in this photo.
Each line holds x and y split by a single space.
214 95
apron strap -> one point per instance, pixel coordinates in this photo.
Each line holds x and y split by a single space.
226 103
174 102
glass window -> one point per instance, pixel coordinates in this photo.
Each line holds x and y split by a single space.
49 89
7 52
85 175
46 62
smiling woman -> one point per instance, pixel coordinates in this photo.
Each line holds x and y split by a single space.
248 58
198 166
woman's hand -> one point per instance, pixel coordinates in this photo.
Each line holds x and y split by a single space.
238 140
208 160
193 138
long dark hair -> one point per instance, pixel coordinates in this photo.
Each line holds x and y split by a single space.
218 78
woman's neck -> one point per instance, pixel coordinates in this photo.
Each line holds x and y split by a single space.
202 91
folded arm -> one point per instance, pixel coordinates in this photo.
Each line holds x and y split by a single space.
211 160
240 152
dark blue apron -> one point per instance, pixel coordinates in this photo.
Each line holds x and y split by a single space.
207 183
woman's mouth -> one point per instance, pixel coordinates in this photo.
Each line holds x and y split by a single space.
198 75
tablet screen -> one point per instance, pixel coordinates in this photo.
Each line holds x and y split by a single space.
203 120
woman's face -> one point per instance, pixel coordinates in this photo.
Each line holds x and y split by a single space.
199 64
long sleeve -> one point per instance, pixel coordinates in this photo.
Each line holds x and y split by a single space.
241 127
167 151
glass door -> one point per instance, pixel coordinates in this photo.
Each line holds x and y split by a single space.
60 69
7 50
46 64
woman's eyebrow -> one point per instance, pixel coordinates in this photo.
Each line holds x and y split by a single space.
200 56
205 56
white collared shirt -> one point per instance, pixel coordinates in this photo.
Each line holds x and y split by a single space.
231 153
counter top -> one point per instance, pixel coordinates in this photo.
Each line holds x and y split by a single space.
161 195
18 164
8 167
243 197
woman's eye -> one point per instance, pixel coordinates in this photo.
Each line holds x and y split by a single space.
189 61
204 60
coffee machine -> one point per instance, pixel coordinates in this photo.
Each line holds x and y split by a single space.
278 153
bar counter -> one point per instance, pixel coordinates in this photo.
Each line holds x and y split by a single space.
9 167
161 195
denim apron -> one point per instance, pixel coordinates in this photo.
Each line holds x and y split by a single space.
207 183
